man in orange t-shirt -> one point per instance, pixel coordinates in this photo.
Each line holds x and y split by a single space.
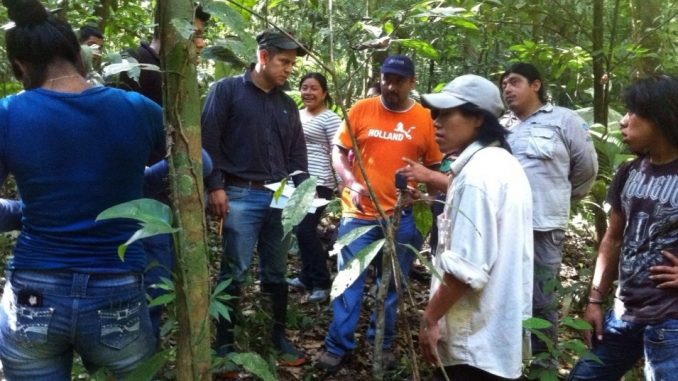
387 129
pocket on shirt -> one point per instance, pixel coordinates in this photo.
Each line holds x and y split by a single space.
542 142
120 326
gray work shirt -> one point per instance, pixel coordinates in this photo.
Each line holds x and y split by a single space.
555 149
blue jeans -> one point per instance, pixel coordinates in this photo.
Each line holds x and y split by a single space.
250 221
624 343
46 315
314 273
340 338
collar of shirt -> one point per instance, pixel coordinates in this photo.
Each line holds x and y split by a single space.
247 79
467 154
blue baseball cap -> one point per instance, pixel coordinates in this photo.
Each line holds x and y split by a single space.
398 64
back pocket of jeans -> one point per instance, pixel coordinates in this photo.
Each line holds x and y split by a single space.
120 326
32 324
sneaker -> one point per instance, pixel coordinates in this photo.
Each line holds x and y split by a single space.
296 284
319 295
329 361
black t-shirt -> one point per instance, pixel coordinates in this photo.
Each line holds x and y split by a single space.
647 195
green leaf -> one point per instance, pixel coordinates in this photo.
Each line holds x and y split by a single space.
162 300
218 309
419 46
254 364
352 270
575 345
149 367
142 210
424 260
278 192
462 23
536 323
354 234
298 205
388 27
229 16
148 229
578 324
423 217
183 27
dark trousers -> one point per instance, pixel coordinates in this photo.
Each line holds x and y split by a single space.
314 273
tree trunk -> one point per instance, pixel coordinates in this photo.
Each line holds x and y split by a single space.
599 102
645 16
182 121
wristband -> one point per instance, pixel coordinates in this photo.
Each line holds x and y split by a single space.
595 301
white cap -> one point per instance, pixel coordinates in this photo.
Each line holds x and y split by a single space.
469 88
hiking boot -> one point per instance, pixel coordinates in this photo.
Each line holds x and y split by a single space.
319 295
297 284
329 361
289 355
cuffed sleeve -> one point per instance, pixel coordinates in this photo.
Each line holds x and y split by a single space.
470 248
465 271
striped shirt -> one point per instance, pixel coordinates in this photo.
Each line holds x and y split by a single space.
319 133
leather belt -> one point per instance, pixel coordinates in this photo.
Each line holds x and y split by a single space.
240 182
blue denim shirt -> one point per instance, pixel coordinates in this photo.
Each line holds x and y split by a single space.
556 151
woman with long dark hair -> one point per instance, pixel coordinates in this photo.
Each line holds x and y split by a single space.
74 150
320 125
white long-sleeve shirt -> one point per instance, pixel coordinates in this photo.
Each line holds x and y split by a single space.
486 242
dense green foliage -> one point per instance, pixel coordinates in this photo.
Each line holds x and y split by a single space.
564 38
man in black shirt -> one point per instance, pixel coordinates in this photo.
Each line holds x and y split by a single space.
251 129
149 82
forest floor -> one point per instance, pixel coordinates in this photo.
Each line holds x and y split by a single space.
308 322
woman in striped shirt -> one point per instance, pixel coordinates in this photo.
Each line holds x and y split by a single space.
320 125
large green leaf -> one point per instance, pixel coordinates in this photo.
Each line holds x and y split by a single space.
298 205
536 323
229 16
420 46
352 270
423 217
354 234
183 27
143 210
155 218
254 364
578 324
148 229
